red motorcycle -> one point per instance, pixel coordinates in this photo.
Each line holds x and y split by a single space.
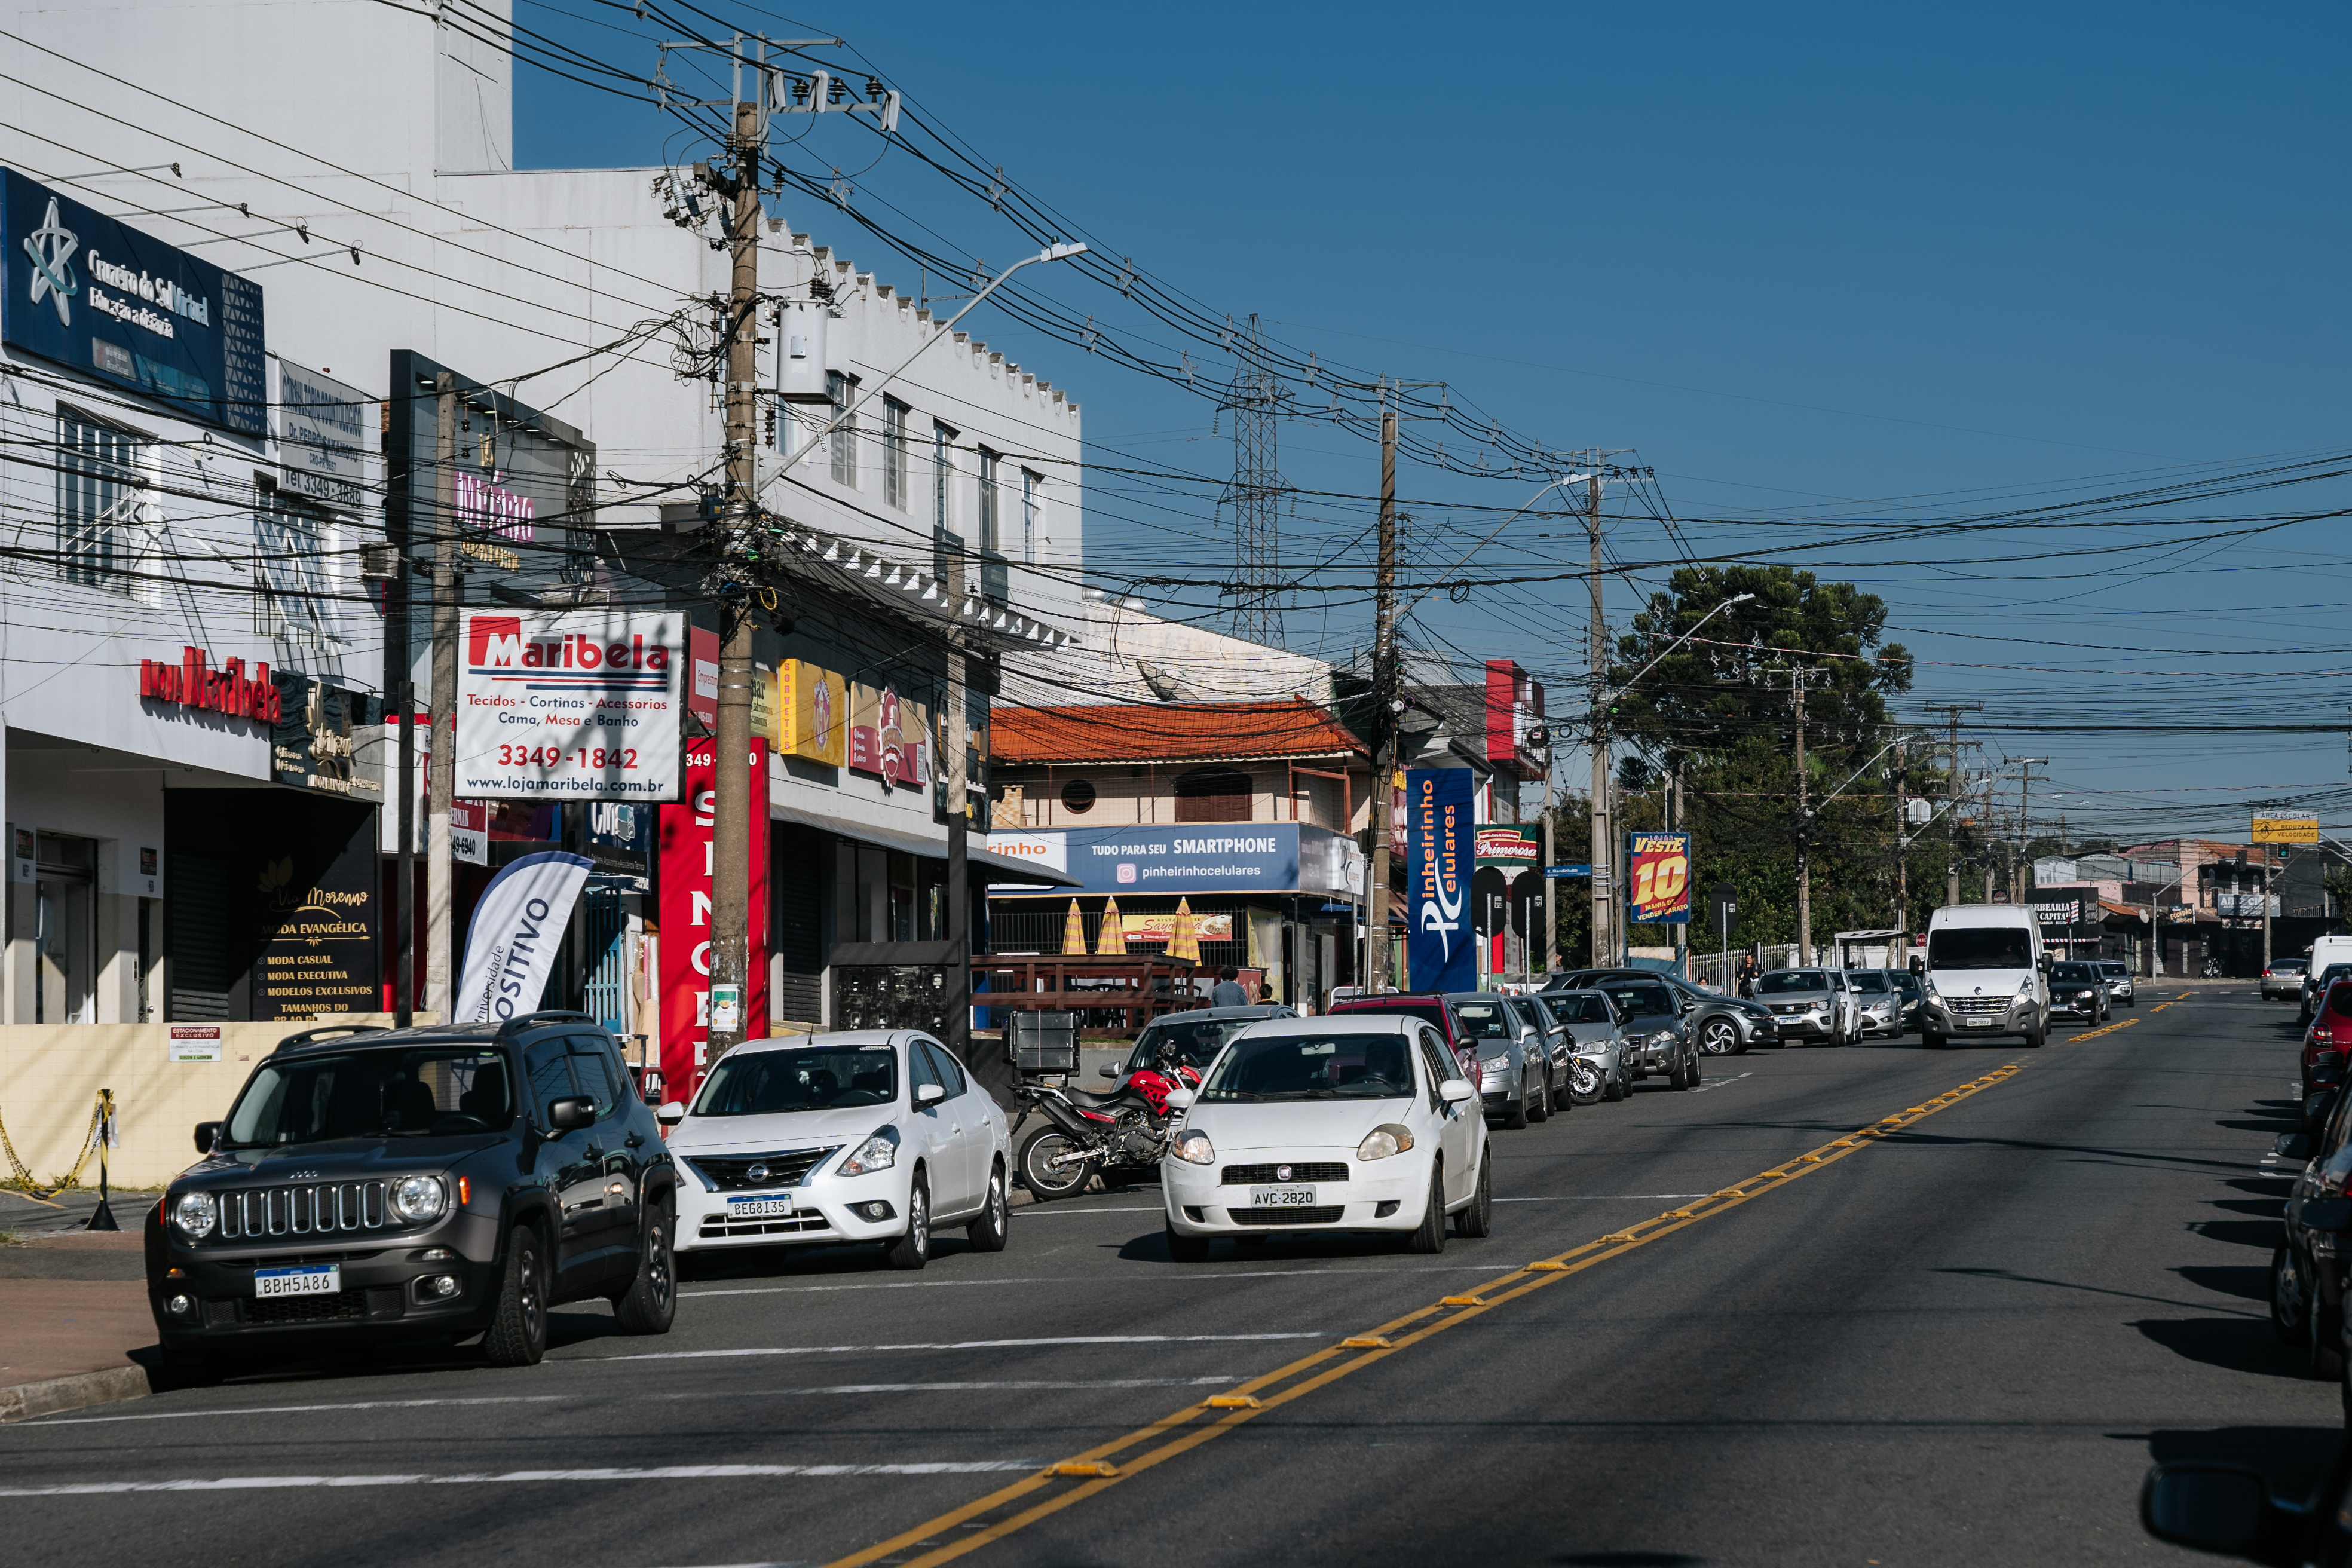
1123 1133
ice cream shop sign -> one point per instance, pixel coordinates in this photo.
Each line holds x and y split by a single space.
229 691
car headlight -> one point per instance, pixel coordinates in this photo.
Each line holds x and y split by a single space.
1383 1140
1194 1149
196 1214
1662 1038
417 1199
878 1152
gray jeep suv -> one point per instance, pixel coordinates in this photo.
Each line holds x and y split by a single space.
375 1186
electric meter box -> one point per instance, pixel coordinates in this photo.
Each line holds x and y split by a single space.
801 335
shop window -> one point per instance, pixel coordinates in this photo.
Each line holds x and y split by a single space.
894 452
1213 795
843 389
292 549
1078 797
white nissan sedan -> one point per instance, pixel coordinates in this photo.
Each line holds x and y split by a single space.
816 1140
1361 1121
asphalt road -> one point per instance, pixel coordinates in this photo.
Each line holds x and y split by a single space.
1961 1339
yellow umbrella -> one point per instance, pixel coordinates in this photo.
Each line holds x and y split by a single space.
1113 940
1184 941
1074 931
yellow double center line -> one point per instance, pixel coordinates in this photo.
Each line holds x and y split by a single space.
1073 1479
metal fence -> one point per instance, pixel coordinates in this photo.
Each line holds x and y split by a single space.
1716 970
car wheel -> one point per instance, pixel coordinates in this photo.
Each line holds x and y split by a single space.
1187 1248
1045 1179
650 1303
913 1249
1539 1104
1477 1221
1429 1236
2290 1296
993 1229
1516 1117
1584 1081
1719 1038
518 1333
1618 1088
2037 1039
1697 1069
1678 1076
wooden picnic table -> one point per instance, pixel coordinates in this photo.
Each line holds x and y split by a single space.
1139 986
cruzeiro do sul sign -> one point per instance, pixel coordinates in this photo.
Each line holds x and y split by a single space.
582 705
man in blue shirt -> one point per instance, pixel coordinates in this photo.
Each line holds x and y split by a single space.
1227 992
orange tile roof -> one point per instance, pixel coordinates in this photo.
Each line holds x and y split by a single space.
1168 732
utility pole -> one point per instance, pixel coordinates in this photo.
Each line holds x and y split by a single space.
1604 855
442 770
1384 718
1550 899
1796 680
1901 922
1675 825
2019 870
732 826
1255 492
1952 712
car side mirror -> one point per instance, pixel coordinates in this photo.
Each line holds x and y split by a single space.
1180 1099
571 1114
2324 1213
2043 963
207 1134
929 1094
2291 1146
669 1113
1109 1069
1453 1091
2223 1509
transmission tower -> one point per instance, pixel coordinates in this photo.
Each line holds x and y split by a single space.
1255 494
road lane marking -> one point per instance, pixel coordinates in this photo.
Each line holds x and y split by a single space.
2111 1028
1719 1082
986 1519
959 1345
645 1473
1173 1277
1015 1384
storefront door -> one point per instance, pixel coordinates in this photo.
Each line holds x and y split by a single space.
64 930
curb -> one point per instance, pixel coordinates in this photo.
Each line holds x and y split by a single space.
52 1394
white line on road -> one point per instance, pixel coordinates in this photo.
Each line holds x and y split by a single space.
648 1473
1189 1277
1719 1082
724 1393
969 1344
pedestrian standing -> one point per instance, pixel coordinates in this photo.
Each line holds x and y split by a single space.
1227 992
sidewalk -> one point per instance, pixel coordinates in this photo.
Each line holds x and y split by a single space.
75 1303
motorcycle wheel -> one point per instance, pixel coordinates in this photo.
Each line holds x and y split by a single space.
1584 1085
1047 1182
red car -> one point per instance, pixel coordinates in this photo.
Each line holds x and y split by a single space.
1430 1009
2328 1040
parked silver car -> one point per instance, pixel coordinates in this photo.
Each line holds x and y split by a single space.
1658 1037
1810 1004
1878 1002
1596 1063
2120 986
1513 1056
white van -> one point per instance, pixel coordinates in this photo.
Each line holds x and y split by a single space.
1984 975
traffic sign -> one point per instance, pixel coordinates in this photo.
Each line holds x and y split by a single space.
1723 907
1565 871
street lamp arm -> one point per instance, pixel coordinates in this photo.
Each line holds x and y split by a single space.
1615 692
1407 608
1051 253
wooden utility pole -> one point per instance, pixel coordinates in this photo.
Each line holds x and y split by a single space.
1675 825
1384 719
1604 857
1796 678
440 861
1952 712
735 801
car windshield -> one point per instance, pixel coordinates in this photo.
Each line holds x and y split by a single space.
1787 982
1587 1008
411 1092
1906 983
1869 980
1426 1011
2072 974
1197 1040
1486 1021
2117 967
1645 1000
1312 1067
1980 947
814 1078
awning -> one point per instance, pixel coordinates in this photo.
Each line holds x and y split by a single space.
1000 867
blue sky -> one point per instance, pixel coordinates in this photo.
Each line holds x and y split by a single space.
1812 264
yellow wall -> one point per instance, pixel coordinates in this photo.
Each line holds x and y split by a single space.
51 1073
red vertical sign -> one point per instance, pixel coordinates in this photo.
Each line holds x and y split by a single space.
687 861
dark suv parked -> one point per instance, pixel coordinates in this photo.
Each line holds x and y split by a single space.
376 1187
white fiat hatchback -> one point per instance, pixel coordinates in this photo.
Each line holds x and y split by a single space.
1361 1121
816 1140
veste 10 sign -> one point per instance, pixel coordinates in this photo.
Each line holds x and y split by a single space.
584 705
1657 878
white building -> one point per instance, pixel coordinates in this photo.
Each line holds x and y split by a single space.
352 161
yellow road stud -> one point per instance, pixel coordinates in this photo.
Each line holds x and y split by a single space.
1684 1214
1463 1301
1548 1265
1364 1343
1098 1468
1232 1402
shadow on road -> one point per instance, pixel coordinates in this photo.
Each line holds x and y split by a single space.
2293 1459
2249 1282
2234 1345
2258 1233
1630 1558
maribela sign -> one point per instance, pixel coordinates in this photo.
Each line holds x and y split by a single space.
684 864
580 705
1439 839
1657 879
